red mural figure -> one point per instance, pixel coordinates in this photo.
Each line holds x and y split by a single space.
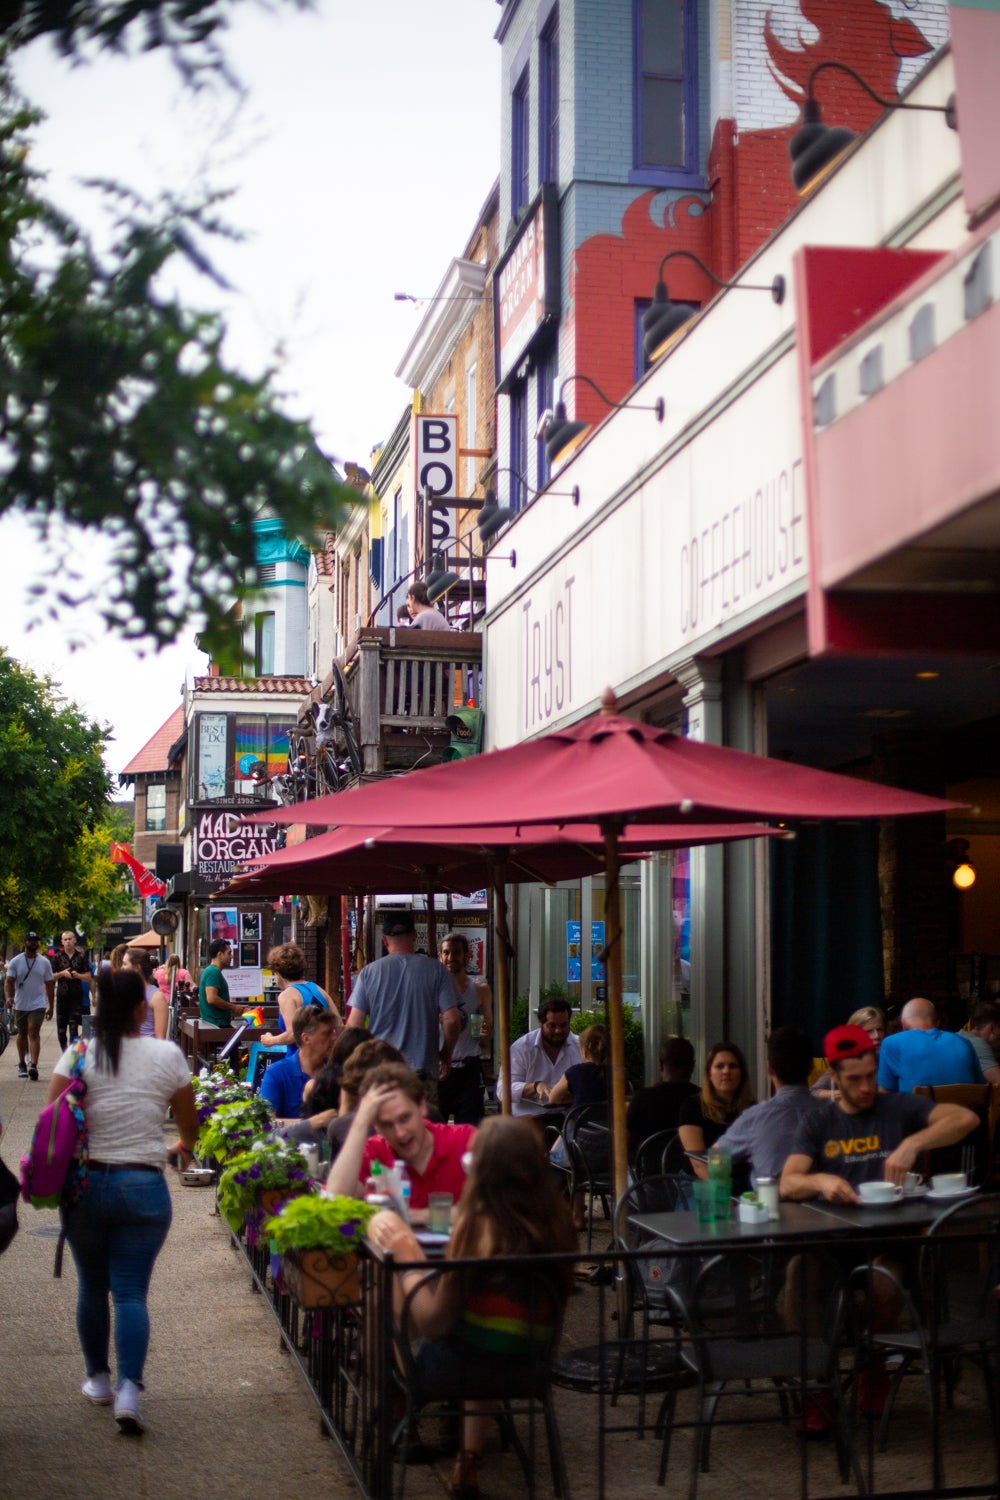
750 184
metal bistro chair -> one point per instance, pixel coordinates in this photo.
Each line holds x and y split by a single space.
509 1364
587 1138
651 1284
950 1312
651 1153
738 1347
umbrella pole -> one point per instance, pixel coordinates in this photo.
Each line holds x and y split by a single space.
503 981
613 955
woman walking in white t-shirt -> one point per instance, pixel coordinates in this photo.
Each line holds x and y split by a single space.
119 1221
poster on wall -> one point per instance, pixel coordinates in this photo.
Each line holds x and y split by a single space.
245 984
222 924
574 952
249 955
250 925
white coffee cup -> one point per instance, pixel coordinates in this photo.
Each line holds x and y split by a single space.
949 1182
879 1192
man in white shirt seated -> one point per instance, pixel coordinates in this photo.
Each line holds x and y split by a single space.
539 1059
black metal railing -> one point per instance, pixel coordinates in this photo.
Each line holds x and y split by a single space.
622 1377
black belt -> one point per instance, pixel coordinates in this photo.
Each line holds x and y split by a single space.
123 1166
463 1062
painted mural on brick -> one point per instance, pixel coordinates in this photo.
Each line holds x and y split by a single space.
766 56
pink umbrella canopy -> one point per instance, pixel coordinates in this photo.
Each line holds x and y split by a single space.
609 768
461 859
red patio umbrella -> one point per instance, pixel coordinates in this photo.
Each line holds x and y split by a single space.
614 771
463 860
607 767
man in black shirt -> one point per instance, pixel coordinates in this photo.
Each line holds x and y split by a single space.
656 1108
69 965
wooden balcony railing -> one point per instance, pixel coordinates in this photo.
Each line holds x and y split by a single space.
395 687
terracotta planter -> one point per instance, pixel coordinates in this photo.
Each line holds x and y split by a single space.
316 1279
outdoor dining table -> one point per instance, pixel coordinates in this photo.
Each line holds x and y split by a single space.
813 1219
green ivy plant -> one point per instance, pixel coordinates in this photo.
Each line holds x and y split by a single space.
336 1225
273 1163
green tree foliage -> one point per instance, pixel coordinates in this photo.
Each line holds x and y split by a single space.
55 791
94 890
118 412
186 28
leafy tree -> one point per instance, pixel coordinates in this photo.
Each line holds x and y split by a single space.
55 790
119 412
186 28
95 891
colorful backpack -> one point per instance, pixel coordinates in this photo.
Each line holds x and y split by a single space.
58 1147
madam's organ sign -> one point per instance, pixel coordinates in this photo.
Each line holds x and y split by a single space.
225 842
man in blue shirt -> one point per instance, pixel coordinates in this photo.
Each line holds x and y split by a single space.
923 1054
761 1138
315 1030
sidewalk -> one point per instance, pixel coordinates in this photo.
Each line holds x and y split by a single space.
226 1413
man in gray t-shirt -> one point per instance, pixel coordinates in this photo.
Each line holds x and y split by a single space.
864 1136
404 997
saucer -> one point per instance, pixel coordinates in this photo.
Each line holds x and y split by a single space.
915 1193
881 1202
965 1192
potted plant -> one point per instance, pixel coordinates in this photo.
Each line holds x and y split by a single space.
255 1183
317 1237
232 1128
215 1086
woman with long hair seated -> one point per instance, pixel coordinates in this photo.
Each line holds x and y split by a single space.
117 1223
725 1094
511 1206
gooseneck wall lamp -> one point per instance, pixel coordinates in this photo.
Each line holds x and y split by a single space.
815 146
441 578
664 319
563 437
493 516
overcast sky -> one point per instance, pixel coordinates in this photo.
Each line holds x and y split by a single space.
365 144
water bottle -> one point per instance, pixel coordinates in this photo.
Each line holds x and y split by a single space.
405 1189
720 1173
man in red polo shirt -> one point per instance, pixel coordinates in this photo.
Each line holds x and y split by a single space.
393 1104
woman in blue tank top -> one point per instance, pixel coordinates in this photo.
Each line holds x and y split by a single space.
289 964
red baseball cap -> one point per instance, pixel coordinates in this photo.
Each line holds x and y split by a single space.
846 1041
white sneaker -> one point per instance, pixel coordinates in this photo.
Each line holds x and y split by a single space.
97 1388
127 1413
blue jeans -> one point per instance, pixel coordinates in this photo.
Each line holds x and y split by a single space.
115 1230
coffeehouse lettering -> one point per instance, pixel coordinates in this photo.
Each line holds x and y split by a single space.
225 842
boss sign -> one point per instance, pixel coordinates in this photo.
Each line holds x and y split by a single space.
436 447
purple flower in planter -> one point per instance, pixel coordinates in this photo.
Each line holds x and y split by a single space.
255 1171
349 1229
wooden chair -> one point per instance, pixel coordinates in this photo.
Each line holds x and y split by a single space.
984 1100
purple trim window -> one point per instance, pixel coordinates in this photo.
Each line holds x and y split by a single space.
520 166
518 443
665 97
548 102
